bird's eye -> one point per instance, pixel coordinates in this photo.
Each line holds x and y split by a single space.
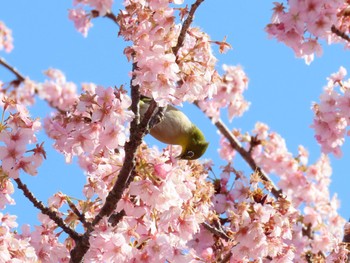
190 154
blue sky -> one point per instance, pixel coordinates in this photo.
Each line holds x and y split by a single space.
281 87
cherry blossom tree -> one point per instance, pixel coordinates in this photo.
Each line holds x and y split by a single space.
140 203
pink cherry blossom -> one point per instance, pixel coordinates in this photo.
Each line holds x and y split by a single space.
6 190
226 152
102 6
229 94
14 248
176 210
81 19
56 91
6 40
332 114
302 24
20 133
45 242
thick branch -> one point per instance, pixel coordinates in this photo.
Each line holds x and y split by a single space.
115 218
186 26
47 211
19 76
123 178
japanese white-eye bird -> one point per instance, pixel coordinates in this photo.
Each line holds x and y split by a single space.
175 128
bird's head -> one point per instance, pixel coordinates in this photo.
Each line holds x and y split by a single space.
194 146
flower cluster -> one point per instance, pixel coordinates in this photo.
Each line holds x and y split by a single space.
151 28
18 152
18 131
258 226
267 227
171 211
304 185
163 72
81 17
303 23
59 93
5 38
95 130
199 78
164 207
332 113
45 241
14 247
229 94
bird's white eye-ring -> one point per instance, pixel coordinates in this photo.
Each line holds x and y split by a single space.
190 154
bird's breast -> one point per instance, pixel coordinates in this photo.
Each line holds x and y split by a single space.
174 128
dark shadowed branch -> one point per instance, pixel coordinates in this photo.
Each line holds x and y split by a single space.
340 33
18 75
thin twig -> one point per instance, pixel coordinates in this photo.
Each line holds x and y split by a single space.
19 76
47 211
75 210
186 26
112 16
216 231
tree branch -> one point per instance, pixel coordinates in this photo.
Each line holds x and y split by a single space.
112 16
19 76
75 210
47 211
216 231
247 157
115 218
124 179
186 26
226 258
340 33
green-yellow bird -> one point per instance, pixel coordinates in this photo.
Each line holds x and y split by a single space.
175 128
